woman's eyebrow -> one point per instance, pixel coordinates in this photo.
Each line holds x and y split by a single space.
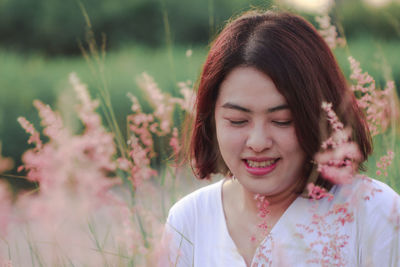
236 107
240 108
277 108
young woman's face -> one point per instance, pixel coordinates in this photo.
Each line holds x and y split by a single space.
256 133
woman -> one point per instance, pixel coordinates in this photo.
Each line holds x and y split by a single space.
259 122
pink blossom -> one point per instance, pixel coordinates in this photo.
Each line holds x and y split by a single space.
77 162
52 121
189 97
328 32
174 141
339 158
140 168
262 205
384 162
161 102
326 241
87 106
140 151
29 128
376 103
316 192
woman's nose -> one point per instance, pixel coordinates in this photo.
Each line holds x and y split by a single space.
259 140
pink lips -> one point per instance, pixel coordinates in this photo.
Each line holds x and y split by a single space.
260 170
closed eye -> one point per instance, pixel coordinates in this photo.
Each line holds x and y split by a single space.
282 123
237 123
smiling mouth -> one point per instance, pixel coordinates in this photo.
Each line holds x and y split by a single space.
260 168
260 164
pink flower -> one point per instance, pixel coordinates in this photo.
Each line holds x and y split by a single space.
384 162
262 205
376 103
51 120
328 32
174 142
29 128
161 102
189 97
316 192
339 158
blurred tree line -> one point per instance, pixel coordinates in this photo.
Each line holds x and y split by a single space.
53 27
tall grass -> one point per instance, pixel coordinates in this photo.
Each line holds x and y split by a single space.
135 213
27 77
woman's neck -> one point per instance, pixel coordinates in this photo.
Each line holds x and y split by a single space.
277 204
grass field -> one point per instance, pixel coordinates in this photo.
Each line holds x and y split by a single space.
27 77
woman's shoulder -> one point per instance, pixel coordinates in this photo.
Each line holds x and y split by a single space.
371 198
199 201
368 189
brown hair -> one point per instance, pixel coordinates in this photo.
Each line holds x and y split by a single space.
290 51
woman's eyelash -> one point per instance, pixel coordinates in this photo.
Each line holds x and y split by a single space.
279 123
283 123
237 122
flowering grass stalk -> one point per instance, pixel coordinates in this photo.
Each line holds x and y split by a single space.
99 200
339 158
375 102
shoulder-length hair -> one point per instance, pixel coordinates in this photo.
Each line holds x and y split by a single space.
291 52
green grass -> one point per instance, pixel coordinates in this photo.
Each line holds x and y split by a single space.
380 58
29 77
24 78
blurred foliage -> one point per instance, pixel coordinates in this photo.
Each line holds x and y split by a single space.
53 27
27 77
137 31
361 19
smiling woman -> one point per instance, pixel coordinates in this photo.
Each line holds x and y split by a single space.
260 123
256 135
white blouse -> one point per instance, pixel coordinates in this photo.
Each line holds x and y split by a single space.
360 226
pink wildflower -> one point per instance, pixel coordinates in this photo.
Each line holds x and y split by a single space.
51 121
140 168
262 205
384 162
29 128
161 102
189 97
75 177
328 32
87 106
140 126
174 142
316 192
82 160
376 103
339 159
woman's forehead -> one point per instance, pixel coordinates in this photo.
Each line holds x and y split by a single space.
249 88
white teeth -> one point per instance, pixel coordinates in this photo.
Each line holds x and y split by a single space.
260 164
